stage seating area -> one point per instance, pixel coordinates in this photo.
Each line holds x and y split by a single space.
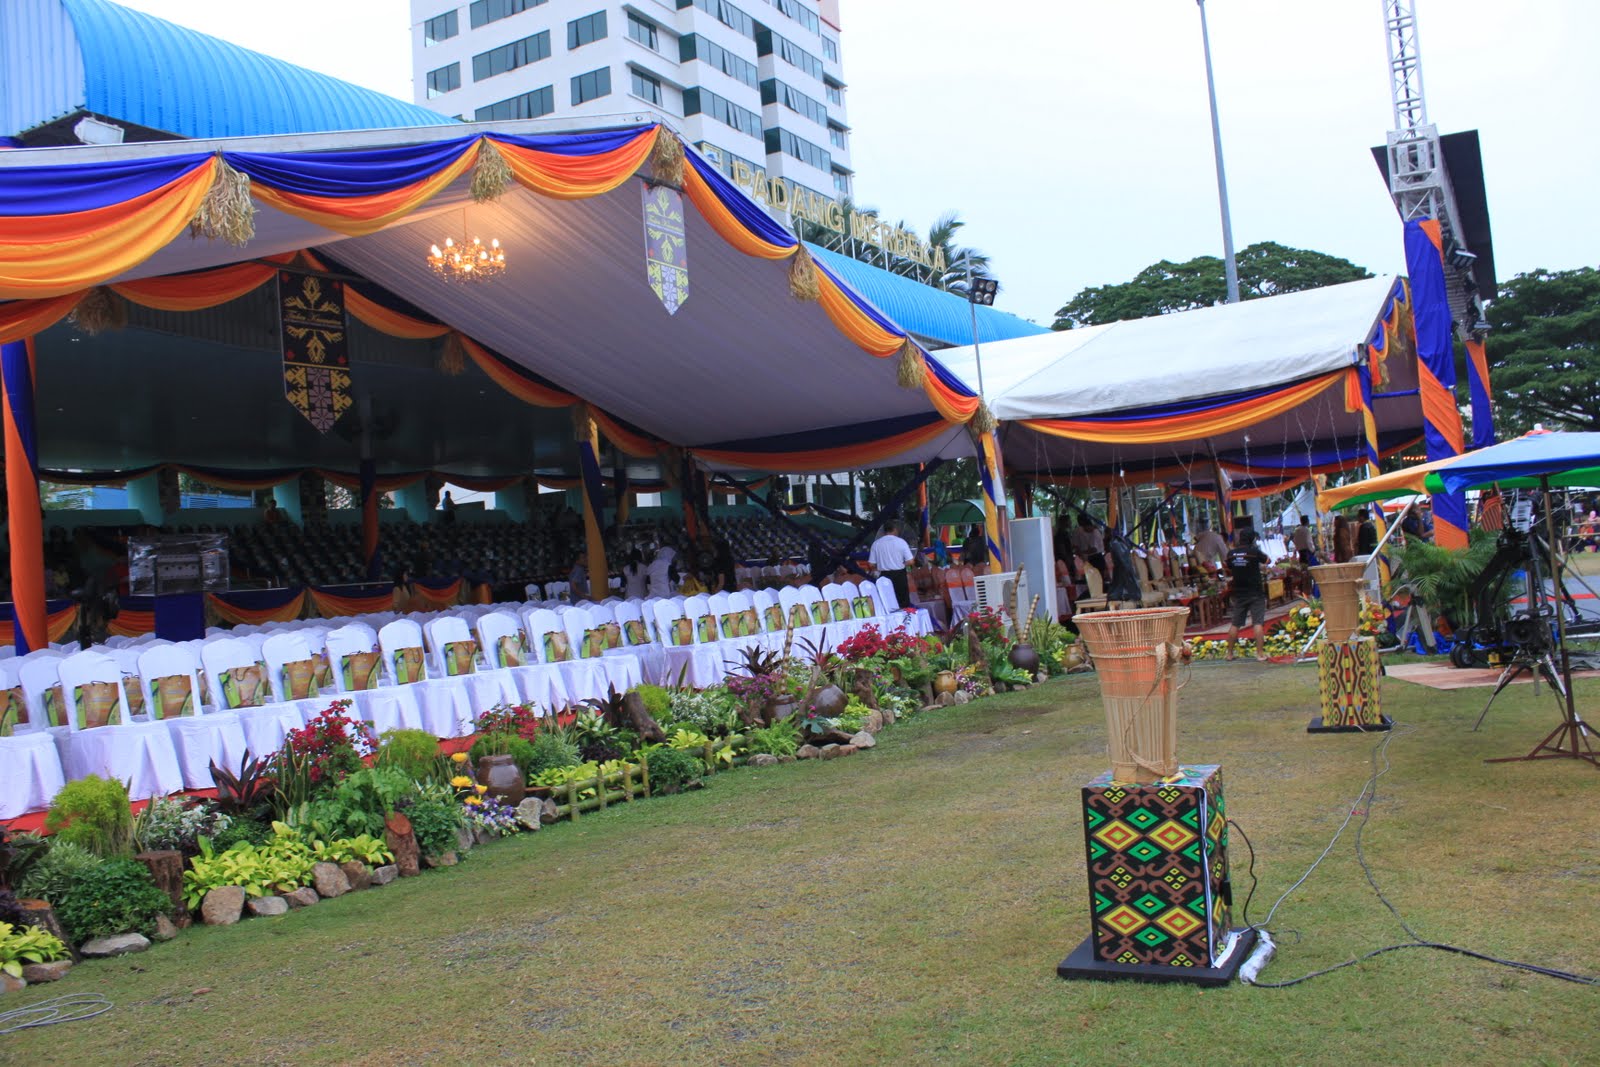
156 713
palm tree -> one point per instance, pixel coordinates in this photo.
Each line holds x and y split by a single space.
959 259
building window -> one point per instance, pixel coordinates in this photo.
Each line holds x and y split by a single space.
841 182
532 105
725 13
483 12
444 80
800 13
643 32
693 46
697 101
830 49
769 43
779 140
712 153
440 28
586 30
647 87
591 86
511 56
835 92
774 91
836 137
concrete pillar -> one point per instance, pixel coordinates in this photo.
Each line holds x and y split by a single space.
144 495
287 496
416 501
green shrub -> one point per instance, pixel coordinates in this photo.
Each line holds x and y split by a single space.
241 829
171 822
414 753
113 897
280 865
358 804
93 812
21 945
19 852
672 768
551 749
56 869
435 820
782 738
657 701
364 849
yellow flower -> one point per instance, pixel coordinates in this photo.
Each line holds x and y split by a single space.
473 800
483 789
461 781
459 757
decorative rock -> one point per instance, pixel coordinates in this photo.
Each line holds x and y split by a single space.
808 752
384 875
463 839
1042 677
831 751
946 699
8 984
962 697
887 715
847 750
222 906
552 811
449 859
329 880
120 945
763 759
358 873
786 759
165 930
265 906
303 897
529 813
875 722
39 973
863 740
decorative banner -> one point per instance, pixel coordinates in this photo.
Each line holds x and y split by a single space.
666 249
316 361
1436 370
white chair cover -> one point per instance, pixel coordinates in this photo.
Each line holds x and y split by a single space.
30 773
200 737
141 755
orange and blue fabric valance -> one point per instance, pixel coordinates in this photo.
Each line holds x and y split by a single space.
735 218
435 596
579 165
850 446
356 600
254 607
1188 420
60 618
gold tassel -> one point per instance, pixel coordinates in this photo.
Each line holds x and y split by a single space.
908 366
803 284
983 419
582 424
453 356
666 159
227 210
98 310
491 174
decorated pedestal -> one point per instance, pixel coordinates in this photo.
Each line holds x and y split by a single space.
1159 897
1347 677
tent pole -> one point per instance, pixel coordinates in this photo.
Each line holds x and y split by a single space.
25 520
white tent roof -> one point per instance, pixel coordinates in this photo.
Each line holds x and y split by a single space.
1167 358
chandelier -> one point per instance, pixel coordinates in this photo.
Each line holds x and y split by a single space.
467 261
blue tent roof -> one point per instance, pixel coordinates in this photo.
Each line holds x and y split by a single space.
922 309
154 73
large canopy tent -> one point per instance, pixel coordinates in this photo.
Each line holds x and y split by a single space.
1269 392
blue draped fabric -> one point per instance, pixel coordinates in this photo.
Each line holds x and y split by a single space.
594 486
945 378
1185 407
866 308
33 191
591 143
741 207
832 437
1530 456
258 599
1436 360
361 172
17 369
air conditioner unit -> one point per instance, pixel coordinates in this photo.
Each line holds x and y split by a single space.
995 592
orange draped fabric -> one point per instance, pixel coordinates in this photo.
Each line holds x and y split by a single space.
201 289
332 606
50 255
527 391
729 228
25 318
564 177
828 459
361 215
57 625
632 443
244 617
132 623
424 599
854 323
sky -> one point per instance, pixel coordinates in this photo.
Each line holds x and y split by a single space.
1074 137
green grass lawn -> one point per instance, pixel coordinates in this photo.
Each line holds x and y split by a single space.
911 903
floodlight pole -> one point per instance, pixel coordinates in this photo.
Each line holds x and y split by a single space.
1229 264
977 356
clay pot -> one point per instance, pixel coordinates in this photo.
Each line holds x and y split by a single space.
504 779
1024 658
830 701
944 682
780 707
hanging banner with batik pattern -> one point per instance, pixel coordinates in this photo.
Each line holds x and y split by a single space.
666 248
316 356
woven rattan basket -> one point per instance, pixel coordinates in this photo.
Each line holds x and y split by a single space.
1136 656
1340 586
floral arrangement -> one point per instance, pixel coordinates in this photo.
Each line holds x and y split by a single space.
332 744
519 719
987 625
868 642
491 815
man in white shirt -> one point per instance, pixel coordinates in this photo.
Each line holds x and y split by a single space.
889 557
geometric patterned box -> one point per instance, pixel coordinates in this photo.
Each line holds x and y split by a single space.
1347 677
1158 869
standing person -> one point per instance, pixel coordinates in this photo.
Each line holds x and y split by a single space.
659 573
1344 539
1209 547
890 556
1090 543
635 576
447 508
723 566
1300 537
1366 534
974 550
578 579
1249 591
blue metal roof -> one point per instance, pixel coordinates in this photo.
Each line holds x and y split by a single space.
163 76
922 309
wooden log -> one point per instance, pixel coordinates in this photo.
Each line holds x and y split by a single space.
644 776
649 731
572 798
402 842
39 913
166 867
627 783
600 789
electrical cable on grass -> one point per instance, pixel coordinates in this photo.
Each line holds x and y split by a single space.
1364 802
72 1008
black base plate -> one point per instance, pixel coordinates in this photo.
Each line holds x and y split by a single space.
1383 723
1082 964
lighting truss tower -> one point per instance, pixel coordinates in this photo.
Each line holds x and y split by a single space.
1418 178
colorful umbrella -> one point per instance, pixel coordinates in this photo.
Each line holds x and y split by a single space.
1564 459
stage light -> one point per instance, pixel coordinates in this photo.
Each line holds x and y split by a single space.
982 291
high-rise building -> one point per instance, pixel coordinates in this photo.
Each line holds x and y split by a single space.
756 86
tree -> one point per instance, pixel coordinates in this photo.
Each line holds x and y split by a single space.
941 235
1544 351
955 480
1265 269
